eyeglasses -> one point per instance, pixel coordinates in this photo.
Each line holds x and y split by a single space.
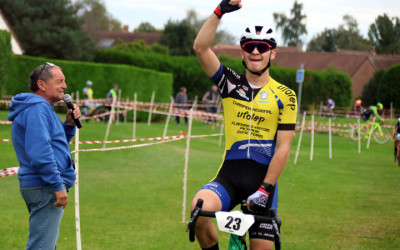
262 47
43 68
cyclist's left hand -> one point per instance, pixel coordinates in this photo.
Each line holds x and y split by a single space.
257 202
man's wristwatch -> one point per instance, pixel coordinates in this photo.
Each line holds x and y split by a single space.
267 187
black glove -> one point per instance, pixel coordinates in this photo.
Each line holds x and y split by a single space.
225 7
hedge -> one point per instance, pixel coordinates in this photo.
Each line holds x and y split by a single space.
318 85
5 58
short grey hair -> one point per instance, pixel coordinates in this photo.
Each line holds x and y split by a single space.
41 72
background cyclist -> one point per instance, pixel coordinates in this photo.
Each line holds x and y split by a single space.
260 117
330 105
88 97
373 110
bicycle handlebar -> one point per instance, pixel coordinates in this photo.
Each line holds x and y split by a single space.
198 212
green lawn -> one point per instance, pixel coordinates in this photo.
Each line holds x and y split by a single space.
132 199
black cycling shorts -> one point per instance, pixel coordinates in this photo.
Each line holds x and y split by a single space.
235 182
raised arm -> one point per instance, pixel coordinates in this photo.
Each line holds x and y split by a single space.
202 44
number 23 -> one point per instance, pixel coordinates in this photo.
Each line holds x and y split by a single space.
231 224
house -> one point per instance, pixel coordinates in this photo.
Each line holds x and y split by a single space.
15 44
359 66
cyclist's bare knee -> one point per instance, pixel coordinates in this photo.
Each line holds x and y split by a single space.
211 201
260 244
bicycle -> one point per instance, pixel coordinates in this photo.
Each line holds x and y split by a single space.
235 223
99 113
381 134
326 112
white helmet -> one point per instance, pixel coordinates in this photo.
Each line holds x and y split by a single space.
89 83
258 33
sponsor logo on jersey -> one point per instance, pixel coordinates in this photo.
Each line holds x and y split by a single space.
242 93
264 97
292 96
246 115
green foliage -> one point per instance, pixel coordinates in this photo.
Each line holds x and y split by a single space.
346 37
140 46
337 86
370 90
48 28
145 27
5 58
389 87
385 34
178 36
96 17
187 72
292 27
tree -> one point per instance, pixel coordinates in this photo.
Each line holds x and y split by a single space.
369 92
221 36
145 27
389 87
323 42
48 28
347 37
292 27
178 36
96 18
385 35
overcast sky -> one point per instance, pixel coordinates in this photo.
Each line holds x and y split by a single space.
320 14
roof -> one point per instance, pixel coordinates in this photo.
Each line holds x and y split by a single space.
16 46
108 39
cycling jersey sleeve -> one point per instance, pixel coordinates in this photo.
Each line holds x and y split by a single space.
288 109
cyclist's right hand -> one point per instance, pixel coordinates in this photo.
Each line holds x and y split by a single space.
227 6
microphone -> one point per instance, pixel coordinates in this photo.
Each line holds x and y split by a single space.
68 100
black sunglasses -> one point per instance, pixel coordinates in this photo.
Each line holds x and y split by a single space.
262 47
43 68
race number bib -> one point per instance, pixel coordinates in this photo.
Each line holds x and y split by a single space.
234 222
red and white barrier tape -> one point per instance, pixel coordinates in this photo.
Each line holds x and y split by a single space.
8 171
126 140
134 140
125 147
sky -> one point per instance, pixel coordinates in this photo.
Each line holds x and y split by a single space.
321 14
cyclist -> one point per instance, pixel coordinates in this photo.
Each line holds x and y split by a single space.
88 97
260 117
366 114
330 105
396 137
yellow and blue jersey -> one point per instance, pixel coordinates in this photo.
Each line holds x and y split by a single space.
254 115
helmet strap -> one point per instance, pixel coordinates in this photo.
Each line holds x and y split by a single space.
260 72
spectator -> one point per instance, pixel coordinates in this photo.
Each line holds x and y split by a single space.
211 99
41 143
181 100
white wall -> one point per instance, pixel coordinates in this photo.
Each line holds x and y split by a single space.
16 48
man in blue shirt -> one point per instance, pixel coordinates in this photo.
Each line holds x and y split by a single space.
40 142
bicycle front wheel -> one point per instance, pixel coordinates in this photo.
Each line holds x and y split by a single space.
383 137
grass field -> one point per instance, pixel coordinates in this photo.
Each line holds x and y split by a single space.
132 199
